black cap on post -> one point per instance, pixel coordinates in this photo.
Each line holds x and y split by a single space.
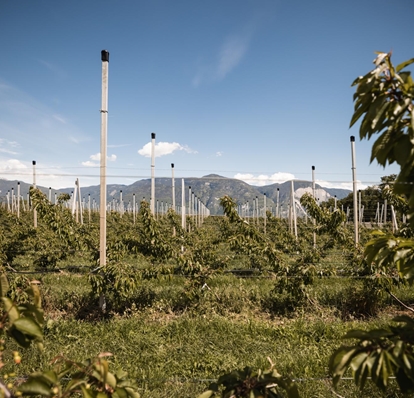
313 167
172 165
105 56
34 162
153 136
352 138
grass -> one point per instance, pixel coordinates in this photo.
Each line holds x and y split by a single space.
174 346
185 350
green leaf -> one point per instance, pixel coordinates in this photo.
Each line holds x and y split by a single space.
34 386
402 65
29 327
359 112
207 394
121 374
87 393
382 147
356 334
120 393
35 293
48 377
110 379
132 393
11 309
74 384
19 337
404 382
379 114
4 285
33 309
340 361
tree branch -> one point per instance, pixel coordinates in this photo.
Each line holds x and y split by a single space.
400 302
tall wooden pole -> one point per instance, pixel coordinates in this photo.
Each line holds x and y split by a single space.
104 134
133 207
277 203
34 186
173 186
355 198
89 207
79 201
189 208
295 229
314 197
182 205
121 203
152 201
18 200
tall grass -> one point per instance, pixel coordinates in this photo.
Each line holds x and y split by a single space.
174 346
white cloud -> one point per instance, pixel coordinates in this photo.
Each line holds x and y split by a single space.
6 146
88 163
12 165
341 184
96 158
14 169
218 154
231 53
59 118
264 179
57 71
32 123
8 151
163 148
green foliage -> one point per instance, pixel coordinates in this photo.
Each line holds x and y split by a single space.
379 354
13 236
116 281
248 240
23 322
59 235
250 383
384 100
387 250
153 242
326 221
91 378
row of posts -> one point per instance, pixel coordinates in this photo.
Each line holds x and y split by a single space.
194 208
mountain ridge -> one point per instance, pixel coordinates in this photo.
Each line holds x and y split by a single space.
209 189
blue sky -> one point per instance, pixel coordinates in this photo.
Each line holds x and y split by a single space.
258 90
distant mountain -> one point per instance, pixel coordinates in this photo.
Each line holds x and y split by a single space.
209 189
